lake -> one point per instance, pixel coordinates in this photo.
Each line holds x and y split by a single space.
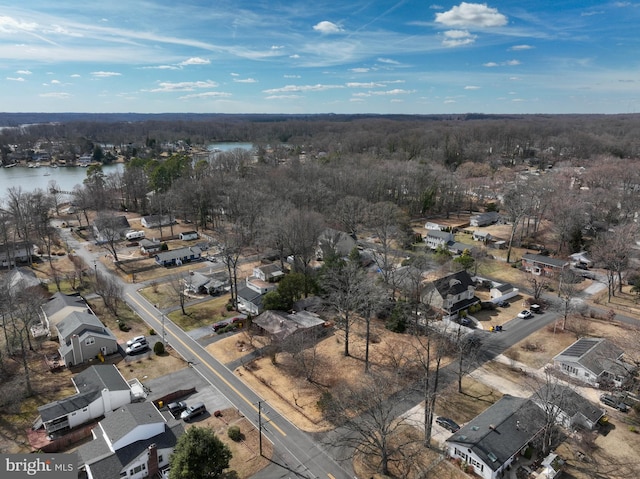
68 177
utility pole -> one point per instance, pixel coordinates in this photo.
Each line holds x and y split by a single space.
260 426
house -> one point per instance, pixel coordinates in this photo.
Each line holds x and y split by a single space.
178 256
268 272
502 291
430 225
156 221
492 440
250 295
483 236
484 219
83 337
100 390
436 238
188 235
21 279
58 307
595 361
452 294
280 325
199 283
568 408
543 265
136 442
149 247
110 228
334 243
13 253
581 259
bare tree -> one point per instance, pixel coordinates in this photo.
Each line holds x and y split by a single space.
177 285
516 206
110 289
567 293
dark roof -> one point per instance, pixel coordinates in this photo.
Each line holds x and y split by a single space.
59 301
546 260
128 417
504 287
453 284
281 324
115 222
444 235
595 354
89 384
501 430
250 295
568 401
179 253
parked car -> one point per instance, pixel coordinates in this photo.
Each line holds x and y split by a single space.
193 411
176 408
447 423
137 348
137 339
504 304
220 324
525 314
536 308
613 402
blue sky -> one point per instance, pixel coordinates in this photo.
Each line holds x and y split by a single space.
325 56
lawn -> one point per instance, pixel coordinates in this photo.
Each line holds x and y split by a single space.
203 314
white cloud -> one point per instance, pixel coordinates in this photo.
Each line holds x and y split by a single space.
105 74
490 64
283 97
512 63
184 86
364 85
360 70
11 25
472 87
292 76
75 75
195 61
472 15
326 27
245 80
207 94
161 67
55 82
15 79
508 63
23 72
521 47
302 88
389 61
457 38
60 95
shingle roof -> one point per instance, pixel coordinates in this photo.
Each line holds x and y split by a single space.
595 354
76 320
127 418
546 260
502 430
455 283
569 401
59 301
179 253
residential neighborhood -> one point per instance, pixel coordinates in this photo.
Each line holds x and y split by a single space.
496 337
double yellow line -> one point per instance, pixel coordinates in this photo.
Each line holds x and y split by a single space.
213 370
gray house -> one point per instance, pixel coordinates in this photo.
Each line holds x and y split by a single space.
484 219
155 221
334 243
110 228
435 238
595 361
178 256
83 337
100 390
58 307
134 442
452 293
567 407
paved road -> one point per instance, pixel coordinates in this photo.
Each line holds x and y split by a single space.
296 454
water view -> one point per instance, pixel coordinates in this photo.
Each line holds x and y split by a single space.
67 177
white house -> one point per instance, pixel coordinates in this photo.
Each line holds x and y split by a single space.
595 361
134 442
502 291
492 440
435 238
188 235
452 293
484 219
568 408
250 295
100 390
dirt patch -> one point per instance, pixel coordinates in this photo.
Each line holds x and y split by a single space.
246 460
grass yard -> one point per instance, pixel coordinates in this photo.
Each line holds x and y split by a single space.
462 407
202 314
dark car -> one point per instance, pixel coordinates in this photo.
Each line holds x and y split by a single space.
447 423
175 408
193 411
536 308
220 324
504 304
613 402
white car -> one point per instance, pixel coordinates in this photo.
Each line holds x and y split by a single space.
137 339
525 314
137 348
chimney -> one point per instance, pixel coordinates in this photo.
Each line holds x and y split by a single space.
152 465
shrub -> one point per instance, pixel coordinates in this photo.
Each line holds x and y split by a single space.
122 326
152 332
324 401
234 433
158 348
229 306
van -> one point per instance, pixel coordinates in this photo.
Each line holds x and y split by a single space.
132 235
193 411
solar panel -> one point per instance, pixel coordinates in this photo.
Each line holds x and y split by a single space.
578 349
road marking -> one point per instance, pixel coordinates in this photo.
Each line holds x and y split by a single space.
202 361
330 476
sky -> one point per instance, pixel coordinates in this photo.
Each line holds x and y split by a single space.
321 56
